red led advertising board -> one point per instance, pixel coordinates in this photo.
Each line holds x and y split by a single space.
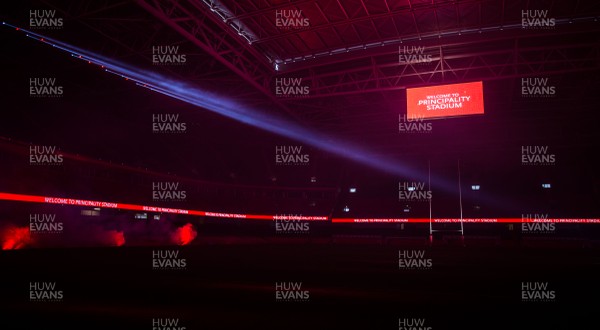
444 101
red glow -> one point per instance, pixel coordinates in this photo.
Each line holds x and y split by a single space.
444 100
116 238
14 238
184 235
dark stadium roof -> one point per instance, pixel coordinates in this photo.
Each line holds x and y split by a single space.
348 56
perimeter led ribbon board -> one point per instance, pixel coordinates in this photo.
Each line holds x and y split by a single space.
444 101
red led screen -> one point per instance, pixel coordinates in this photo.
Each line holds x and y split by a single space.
445 100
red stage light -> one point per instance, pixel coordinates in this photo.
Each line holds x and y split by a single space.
184 235
14 238
117 237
